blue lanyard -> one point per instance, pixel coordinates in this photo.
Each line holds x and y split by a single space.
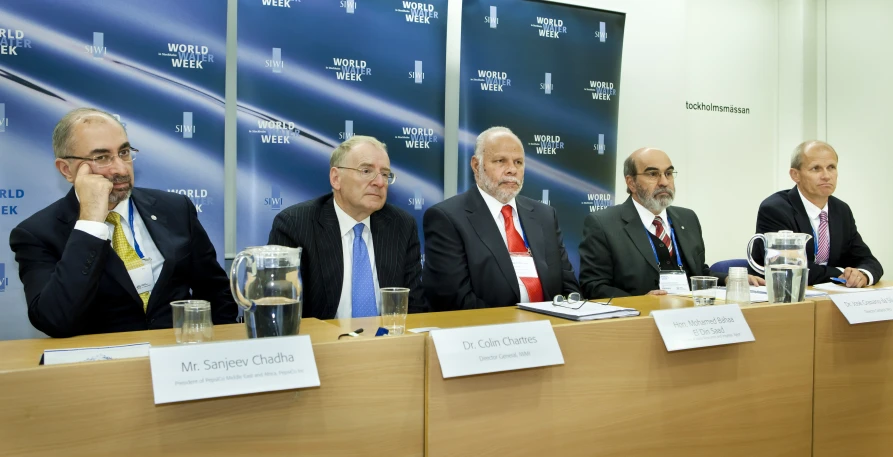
136 245
815 243
675 247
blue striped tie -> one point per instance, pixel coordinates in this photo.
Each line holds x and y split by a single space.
362 289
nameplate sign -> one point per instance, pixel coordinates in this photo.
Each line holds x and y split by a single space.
468 351
209 370
862 307
703 326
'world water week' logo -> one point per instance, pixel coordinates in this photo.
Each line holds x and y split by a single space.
13 41
417 12
493 81
549 27
191 56
350 69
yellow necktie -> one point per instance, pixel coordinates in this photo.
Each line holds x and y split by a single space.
125 251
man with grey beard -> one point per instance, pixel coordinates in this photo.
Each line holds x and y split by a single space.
643 246
490 247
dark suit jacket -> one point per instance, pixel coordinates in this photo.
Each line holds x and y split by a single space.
313 226
467 264
784 210
616 259
76 284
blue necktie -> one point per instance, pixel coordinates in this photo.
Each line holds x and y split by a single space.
362 289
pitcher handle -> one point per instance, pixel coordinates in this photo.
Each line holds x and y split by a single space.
238 294
758 268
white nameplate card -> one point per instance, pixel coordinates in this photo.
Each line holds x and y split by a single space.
703 326
75 355
468 351
208 370
859 308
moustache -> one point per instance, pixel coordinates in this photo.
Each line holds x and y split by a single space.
510 180
665 190
118 179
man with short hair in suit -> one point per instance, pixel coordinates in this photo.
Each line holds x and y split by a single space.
836 249
643 245
109 257
489 246
354 243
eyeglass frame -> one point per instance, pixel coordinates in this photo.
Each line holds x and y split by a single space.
570 302
670 174
131 152
390 179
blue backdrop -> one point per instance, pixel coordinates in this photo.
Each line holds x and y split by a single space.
157 65
311 75
550 73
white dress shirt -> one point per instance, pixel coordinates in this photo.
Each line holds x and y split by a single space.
648 218
813 212
105 231
495 207
346 224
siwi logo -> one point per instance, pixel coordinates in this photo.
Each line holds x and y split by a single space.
601 34
417 201
274 201
279 3
188 55
276 62
417 74
4 121
118 117
276 132
547 144
98 48
349 5
11 41
601 90
548 27
420 13
547 84
10 210
187 128
492 19
598 202
417 137
492 81
350 69
348 131
199 197
545 199
4 281
600 146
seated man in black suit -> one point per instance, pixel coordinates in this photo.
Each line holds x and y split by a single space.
644 245
353 242
836 249
109 257
490 247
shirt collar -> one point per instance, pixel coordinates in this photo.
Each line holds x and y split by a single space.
647 216
494 205
347 223
811 210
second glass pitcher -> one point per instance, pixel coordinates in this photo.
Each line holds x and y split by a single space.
269 292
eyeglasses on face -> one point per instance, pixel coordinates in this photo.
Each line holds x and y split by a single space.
368 174
103 160
655 175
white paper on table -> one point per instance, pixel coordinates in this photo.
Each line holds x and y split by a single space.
832 287
809 293
75 355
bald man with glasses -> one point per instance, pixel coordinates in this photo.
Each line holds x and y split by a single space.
354 242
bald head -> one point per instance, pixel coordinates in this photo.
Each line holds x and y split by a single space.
808 149
634 164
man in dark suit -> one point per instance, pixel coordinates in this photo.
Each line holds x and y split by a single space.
641 246
490 247
353 242
836 249
109 257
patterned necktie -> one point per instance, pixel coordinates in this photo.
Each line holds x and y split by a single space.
661 234
824 240
125 251
516 246
362 289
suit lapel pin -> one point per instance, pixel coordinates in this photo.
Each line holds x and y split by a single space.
683 227
155 218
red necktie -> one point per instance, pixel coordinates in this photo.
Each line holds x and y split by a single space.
661 234
516 246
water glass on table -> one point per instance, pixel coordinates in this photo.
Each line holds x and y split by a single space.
197 326
738 286
703 290
394 306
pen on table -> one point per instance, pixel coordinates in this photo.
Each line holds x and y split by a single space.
842 281
354 333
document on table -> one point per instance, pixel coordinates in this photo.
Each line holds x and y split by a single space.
589 311
75 355
756 295
832 287
809 293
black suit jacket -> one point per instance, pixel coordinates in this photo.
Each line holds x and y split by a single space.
313 226
467 264
784 210
616 259
76 284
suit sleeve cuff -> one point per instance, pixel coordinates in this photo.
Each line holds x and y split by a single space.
97 229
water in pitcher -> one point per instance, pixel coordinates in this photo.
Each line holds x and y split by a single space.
273 316
786 283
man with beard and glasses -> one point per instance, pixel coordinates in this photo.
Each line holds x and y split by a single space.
490 247
109 257
643 246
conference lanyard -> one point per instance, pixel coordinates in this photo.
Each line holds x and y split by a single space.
136 245
815 242
672 238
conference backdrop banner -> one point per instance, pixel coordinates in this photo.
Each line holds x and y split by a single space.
550 73
313 74
158 66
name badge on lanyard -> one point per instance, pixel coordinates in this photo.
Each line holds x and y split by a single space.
672 281
142 277
523 261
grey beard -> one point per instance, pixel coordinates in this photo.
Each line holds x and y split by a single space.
492 187
655 205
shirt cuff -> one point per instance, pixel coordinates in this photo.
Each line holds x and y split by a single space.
867 274
97 229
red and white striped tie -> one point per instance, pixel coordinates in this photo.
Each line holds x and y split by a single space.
662 234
